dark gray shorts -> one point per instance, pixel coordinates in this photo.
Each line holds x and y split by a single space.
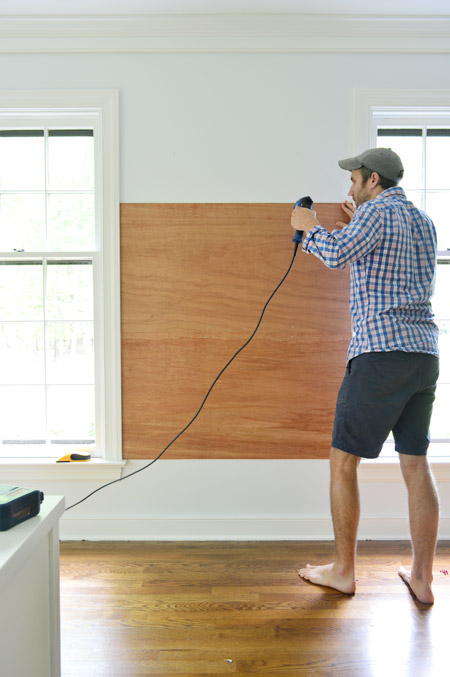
384 392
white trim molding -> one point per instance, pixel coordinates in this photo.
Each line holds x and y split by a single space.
104 106
138 528
281 33
25 470
372 472
365 100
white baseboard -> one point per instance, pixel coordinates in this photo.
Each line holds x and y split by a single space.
93 528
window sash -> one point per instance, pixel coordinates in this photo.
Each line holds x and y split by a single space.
385 124
55 130
98 110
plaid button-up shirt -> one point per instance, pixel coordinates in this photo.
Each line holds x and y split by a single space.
391 248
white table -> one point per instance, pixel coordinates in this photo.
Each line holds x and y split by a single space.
29 595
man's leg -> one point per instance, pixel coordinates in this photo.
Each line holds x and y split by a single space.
344 496
423 519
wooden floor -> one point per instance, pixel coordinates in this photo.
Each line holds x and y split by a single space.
224 608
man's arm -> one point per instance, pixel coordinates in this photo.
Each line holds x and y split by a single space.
340 247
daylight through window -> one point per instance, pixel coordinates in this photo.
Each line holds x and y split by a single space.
47 260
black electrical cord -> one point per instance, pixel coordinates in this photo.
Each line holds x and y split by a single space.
296 243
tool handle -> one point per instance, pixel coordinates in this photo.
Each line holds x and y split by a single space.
307 203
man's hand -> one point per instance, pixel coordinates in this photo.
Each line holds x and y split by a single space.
303 219
349 209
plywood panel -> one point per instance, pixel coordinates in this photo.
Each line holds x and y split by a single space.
195 278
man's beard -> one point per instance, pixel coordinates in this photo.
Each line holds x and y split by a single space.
364 195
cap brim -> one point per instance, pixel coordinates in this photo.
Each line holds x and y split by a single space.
350 163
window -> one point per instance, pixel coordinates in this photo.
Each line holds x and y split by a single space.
59 281
421 136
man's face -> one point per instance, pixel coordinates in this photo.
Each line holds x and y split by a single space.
360 191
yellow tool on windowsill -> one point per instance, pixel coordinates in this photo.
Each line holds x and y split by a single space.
75 457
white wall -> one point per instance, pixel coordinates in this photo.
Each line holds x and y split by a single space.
230 128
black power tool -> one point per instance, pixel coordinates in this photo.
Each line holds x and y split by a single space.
307 203
17 505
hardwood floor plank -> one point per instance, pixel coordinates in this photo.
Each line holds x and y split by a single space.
241 608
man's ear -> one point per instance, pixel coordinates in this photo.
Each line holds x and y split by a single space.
374 180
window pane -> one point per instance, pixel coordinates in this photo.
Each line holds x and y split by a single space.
417 197
22 222
441 298
438 207
21 294
410 150
69 291
438 170
71 222
434 198
444 352
22 353
71 160
23 413
440 421
70 352
47 206
22 161
71 413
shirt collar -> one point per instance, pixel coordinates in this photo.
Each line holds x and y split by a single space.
395 191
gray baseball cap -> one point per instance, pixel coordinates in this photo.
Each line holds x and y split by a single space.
381 160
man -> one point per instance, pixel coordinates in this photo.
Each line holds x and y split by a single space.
392 367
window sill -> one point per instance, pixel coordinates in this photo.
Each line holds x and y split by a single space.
388 469
45 469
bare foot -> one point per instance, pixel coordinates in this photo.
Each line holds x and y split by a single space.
329 576
420 589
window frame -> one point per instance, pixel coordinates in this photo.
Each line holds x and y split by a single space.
101 106
365 102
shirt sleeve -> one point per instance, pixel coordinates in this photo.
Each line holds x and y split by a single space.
340 247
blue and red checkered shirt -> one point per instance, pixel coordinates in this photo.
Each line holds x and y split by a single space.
391 246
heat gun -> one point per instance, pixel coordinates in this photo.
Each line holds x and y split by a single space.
307 203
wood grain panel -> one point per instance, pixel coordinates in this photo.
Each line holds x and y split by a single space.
194 280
